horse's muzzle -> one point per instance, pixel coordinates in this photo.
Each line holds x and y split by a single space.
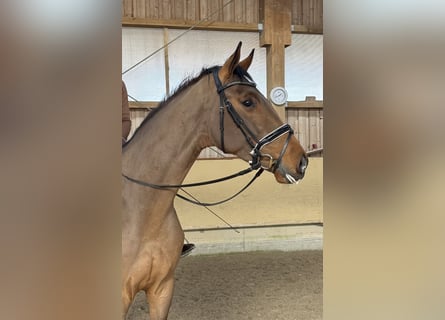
292 176
302 165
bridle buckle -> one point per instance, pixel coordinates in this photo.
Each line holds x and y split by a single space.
271 163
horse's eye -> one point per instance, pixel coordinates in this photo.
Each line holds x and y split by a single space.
247 103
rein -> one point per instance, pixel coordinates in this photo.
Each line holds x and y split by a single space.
187 185
256 154
199 203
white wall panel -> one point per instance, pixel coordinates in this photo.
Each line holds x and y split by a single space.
198 49
147 81
304 67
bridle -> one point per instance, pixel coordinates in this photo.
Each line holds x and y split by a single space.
250 137
256 154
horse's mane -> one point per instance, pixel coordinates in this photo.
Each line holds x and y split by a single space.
187 82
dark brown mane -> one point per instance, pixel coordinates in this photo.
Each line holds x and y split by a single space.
187 82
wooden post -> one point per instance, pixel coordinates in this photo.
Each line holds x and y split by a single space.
276 36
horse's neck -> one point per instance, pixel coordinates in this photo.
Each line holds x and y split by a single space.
167 145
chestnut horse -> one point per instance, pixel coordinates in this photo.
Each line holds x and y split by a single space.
220 107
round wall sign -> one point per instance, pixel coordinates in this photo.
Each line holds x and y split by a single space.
278 95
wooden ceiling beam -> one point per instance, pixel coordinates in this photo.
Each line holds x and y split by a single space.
185 24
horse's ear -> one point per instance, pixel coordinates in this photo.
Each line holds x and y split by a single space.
229 66
245 64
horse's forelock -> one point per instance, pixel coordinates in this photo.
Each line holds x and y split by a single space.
243 74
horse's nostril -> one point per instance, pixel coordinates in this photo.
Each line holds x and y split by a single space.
303 164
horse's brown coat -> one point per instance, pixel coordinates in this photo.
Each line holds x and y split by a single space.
162 151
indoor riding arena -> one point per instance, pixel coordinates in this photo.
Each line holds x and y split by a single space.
258 255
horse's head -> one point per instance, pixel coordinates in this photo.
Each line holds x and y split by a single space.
251 128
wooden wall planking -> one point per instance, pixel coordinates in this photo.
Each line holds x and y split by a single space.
166 9
302 128
178 9
307 15
139 8
214 12
251 11
307 123
152 9
191 10
321 129
228 11
238 11
314 129
127 8
204 10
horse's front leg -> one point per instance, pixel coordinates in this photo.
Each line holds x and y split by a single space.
159 299
160 292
